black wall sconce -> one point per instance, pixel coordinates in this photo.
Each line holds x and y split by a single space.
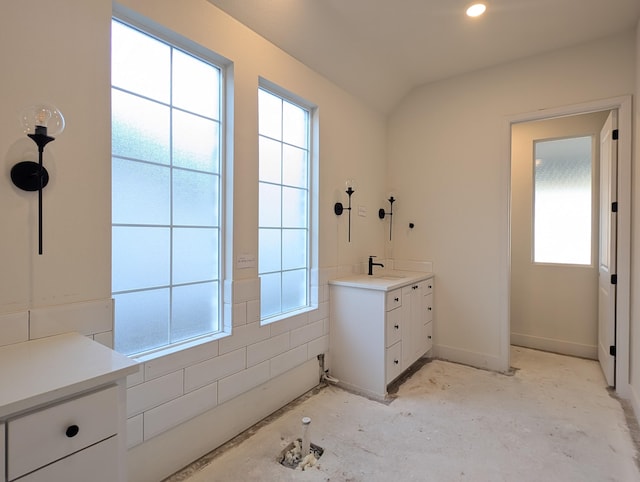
382 213
338 208
40 122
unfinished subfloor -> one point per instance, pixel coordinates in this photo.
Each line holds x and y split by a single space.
552 420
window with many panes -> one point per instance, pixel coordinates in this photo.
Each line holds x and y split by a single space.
284 200
166 192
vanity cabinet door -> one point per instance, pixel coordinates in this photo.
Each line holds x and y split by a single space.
2 451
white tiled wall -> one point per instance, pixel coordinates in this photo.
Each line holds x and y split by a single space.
174 388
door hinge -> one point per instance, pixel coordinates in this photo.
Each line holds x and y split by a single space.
614 279
614 207
614 134
612 350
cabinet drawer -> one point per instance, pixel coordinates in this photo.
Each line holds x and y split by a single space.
394 299
44 436
96 463
393 361
428 306
427 287
393 328
428 332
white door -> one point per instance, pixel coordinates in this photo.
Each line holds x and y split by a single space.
607 258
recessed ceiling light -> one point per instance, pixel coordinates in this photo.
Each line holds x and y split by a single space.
476 9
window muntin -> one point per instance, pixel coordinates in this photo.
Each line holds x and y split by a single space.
166 192
284 204
563 201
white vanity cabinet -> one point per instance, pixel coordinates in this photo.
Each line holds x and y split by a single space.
63 410
378 328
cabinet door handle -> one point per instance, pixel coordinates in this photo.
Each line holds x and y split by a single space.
430 286
397 327
429 337
396 299
396 361
72 431
429 308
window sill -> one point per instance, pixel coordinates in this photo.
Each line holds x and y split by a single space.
171 349
287 315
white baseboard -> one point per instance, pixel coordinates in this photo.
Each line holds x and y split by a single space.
555 346
174 449
478 360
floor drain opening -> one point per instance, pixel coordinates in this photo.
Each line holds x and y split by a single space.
292 458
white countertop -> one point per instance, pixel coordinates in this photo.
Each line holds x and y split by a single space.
382 280
40 371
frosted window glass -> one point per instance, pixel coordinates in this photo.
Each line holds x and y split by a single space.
195 198
194 311
294 213
196 142
195 255
196 85
140 257
270 247
294 252
269 206
294 125
269 115
563 201
140 193
140 128
270 160
294 289
294 169
141 320
270 294
139 63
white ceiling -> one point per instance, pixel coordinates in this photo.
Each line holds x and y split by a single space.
381 49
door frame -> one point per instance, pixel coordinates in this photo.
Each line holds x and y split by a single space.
624 107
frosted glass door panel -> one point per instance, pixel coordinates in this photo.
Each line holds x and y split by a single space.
563 204
142 320
140 257
141 193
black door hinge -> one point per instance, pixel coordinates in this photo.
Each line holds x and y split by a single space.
614 207
614 279
614 134
612 350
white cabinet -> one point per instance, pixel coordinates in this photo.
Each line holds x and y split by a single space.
62 417
377 333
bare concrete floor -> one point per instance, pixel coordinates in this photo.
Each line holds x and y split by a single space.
552 420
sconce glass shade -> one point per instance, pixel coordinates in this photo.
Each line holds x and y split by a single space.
42 115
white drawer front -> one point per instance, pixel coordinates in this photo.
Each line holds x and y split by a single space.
394 299
393 327
428 306
95 464
44 436
394 361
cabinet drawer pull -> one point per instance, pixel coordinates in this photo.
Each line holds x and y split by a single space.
397 327
72 431
430 286
396 361
429 337
396 299
429 308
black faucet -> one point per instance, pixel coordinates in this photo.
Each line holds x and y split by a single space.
372 264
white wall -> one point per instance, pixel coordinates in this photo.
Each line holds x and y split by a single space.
185 404
448 162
